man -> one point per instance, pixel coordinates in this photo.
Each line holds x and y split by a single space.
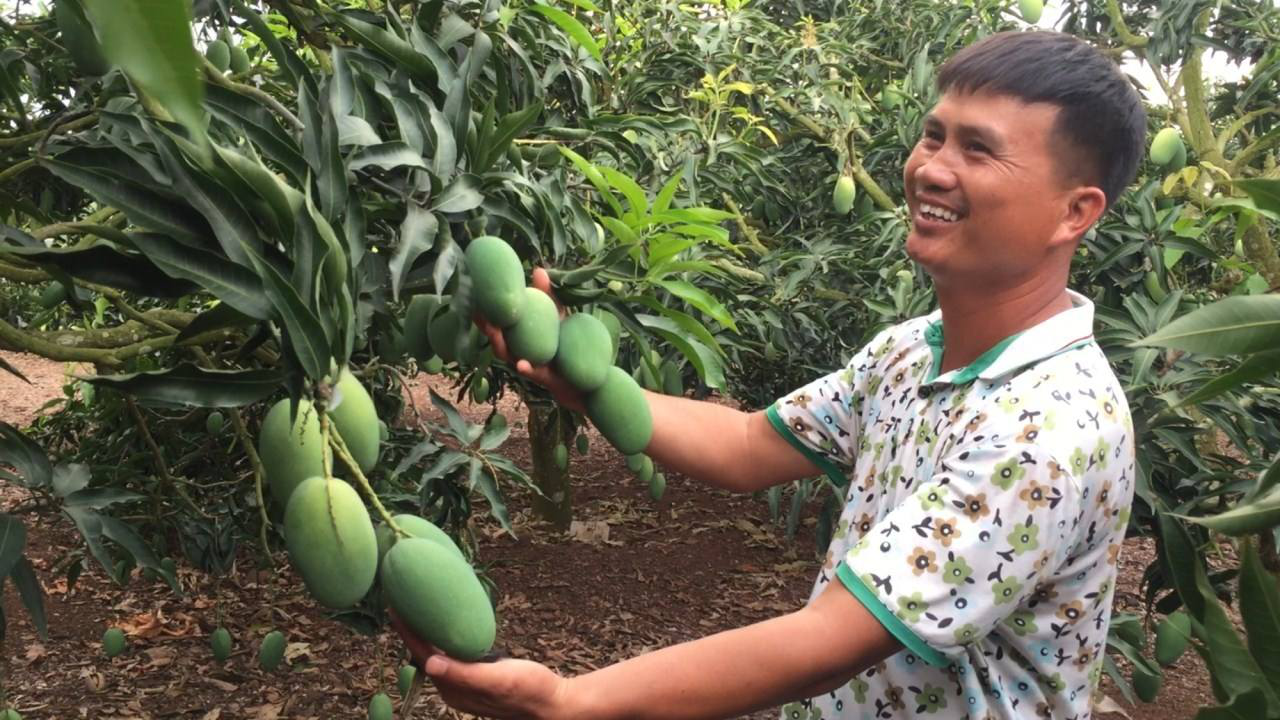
987 449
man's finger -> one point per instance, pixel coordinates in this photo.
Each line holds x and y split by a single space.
542 281
496 339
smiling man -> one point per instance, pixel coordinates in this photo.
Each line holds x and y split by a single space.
985 450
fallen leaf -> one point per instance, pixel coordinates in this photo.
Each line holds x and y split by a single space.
267 711
35 653
213 714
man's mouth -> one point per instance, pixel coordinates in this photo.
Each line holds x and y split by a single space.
934 212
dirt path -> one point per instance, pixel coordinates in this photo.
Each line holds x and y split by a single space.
695 563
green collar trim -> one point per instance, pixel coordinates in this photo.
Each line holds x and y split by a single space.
830 469
896 627
970 372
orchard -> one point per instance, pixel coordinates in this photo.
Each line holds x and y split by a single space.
266 247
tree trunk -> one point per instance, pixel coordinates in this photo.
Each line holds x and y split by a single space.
545 432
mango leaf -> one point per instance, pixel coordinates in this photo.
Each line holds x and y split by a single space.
571 27
419 451
4 365
151 42
399 52
1254 368
105 265
1257 515
631 190
306 335
701 357
320 148
259 125
24 578
417 235
701 299
463 194
1234 325
357 131
98 498
1267 480
509 128
1260 610
387 156
13 538
142 206
217 317
20 452
288 64
1265 193
231 283
1249 705
89 523
126 537
70 478
480 475
188 385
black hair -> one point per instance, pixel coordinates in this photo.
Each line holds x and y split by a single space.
1101 118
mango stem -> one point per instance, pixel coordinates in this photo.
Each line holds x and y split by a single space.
340 447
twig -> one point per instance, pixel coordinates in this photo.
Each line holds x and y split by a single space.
340 447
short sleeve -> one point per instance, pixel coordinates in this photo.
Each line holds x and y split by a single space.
968 548
823 419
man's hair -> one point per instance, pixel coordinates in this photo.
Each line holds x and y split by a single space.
1101 125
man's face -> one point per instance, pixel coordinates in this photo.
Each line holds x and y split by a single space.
985 191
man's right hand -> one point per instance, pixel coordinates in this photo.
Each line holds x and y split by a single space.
545 375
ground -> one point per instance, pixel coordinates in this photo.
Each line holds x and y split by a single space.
697 562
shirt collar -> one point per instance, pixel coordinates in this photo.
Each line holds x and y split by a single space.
1064 331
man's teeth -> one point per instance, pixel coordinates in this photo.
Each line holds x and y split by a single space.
937 212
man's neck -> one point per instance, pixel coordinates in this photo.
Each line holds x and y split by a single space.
974 322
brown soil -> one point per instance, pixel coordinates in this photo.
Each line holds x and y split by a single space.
572 602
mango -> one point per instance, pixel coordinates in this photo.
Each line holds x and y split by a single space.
1179 160
480 390
290 453
437 594
417 324
672 381
1030 10
10 714
78 38
645 473
213 422
380 707
1164 147
356 420
220 642
239 60
615 331
561 455
416 527
1173 634
113 642
497 280
219 54
1146 685
583 444
585 351
843 194
271 652
443 334
434 366
537 335
620 411
404 679
331 541
53 294
657 486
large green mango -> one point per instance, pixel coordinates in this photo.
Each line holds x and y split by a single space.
1164 147
497 280
615 331
416 527
437 594
331 541
290 452
417 325
356 420
443 334
620 411
585 353
537 335
271 651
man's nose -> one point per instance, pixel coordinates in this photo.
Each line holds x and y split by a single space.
937 170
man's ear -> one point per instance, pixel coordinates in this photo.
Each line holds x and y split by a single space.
1083 206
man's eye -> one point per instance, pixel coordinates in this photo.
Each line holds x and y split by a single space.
977 147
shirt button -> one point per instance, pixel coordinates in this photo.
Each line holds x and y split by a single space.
924 391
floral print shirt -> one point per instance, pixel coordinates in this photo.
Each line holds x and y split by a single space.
984 513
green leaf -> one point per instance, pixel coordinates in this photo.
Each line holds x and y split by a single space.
388 156
666 194
1235 325
700 299
219 316
259 125
24 578
151 42
702 358
1262 513
19 451
356 131
444 161
188 385
320 148
126 537
417 235
419 451
593 174
98 498
306 335
142 206
1268 479
231 283
1260 610
89 523
1265 193
571 27
1250 705
456 423
399 52
1254 367
509 128
630 189
105 265
463 194
70 478
13 538
481 476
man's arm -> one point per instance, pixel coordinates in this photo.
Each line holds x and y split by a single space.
803 654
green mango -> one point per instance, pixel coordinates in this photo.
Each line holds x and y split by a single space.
585 351
497 280
290 453
271 652
536 336
331 541
620 411
220 642
219 55
113 642
439 597
356 420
